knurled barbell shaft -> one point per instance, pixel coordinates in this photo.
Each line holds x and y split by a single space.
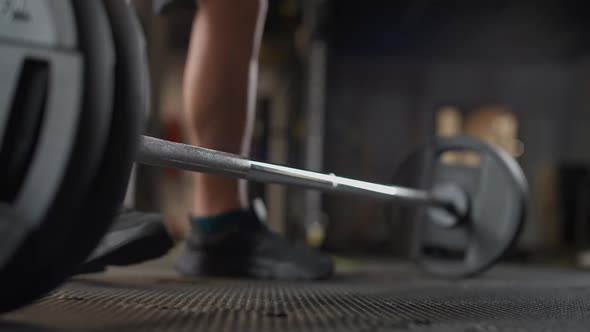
161 153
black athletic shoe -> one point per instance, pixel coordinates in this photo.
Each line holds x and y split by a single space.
251 250
135 237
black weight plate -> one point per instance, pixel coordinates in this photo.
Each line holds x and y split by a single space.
497 192
23 127
49 151
43 260
131 98
131 101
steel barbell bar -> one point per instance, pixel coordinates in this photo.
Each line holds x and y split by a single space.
161 153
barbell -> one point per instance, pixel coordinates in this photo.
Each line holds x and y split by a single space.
74 90
468 216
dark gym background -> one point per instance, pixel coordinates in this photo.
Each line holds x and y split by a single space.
350 87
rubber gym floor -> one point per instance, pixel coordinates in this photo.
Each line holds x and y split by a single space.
375 296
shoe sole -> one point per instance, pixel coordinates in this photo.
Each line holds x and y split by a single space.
197 265
130 246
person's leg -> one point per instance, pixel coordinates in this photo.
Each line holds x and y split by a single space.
219 91
223 237
220 85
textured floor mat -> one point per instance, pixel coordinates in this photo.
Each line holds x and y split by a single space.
379 297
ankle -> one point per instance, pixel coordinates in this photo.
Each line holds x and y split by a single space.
219 223
208 208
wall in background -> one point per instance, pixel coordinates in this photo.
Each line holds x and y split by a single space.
388 75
